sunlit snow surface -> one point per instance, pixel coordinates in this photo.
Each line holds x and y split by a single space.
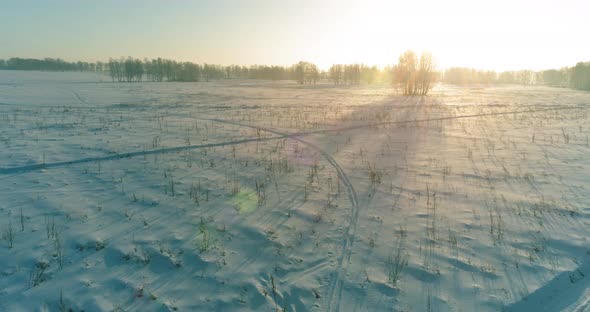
202 196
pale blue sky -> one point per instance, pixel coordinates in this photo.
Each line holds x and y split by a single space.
500 34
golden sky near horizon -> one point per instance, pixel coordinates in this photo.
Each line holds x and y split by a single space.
498 35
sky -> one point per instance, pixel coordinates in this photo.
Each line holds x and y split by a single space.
494 35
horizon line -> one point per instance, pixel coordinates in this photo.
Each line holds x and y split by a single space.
322 68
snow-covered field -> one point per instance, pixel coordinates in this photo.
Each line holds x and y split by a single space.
262 196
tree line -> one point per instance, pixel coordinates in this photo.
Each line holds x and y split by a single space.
158 70
576 77
133 70
50 64
304 73
414 74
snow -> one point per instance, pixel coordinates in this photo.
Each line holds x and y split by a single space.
202 196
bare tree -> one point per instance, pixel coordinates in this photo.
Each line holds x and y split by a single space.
305 73
425 73
416 76
336 73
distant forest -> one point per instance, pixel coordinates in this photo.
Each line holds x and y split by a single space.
577 77
415 73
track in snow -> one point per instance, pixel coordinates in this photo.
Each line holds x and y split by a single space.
294 136
335 290
35 167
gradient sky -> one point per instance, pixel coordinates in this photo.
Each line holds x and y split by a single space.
494 34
